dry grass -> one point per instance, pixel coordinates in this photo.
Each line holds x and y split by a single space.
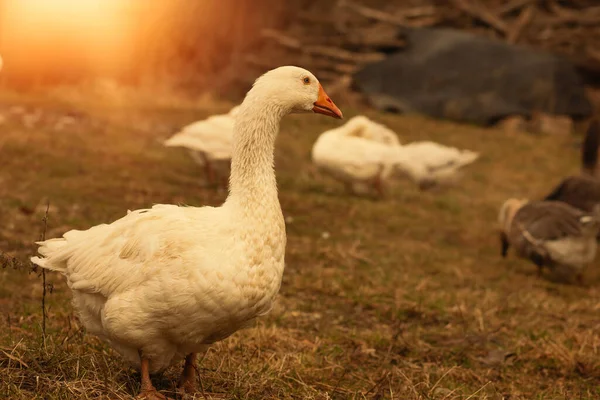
407 298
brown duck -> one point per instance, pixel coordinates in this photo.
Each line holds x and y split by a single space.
582 191
550 234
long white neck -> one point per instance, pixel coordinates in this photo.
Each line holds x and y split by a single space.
252 181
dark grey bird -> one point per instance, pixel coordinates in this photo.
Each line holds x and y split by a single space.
582 191
550 234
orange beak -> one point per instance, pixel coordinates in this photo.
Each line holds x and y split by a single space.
325 106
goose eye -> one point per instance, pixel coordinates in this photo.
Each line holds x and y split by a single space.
306 80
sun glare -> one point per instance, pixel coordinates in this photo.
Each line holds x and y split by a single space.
34 31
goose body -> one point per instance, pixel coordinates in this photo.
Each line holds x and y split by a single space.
364 154
209 142
550 234
363 127
167 280
360 154
163 283
579 191
582 191
429 164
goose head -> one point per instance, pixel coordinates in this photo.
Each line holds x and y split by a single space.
356 126
234 111
507 212
295 90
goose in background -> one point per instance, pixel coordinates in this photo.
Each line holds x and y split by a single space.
366 156
431 164
589 149
162 284
360 154
582 191
209 142
550 234
363 127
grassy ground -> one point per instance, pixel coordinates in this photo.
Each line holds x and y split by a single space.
405 298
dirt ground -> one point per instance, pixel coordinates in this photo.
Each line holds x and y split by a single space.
401 298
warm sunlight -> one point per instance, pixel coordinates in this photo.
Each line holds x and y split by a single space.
50 41
90 31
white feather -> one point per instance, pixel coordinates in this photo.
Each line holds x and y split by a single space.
432 162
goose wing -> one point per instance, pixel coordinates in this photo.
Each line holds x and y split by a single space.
549 220
582 192
112 258
437 156
354 156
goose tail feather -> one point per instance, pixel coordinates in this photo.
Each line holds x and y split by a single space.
48 258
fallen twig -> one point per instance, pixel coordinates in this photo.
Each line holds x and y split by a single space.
477 11
419 16
324 51
513 6
524 18
44 286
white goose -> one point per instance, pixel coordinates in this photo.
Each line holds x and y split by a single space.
366 155
361 126
209 141
430 164
163 283
360 154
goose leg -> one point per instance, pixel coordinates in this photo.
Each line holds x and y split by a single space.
188 382
540 271
208 170
426 184
221 180
348 186
209 174
225 182
379 187
539 262
227 174
504 243
148 391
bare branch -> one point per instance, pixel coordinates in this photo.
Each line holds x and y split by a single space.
513 6
44 286
477 11
325 51
425 15
524 18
